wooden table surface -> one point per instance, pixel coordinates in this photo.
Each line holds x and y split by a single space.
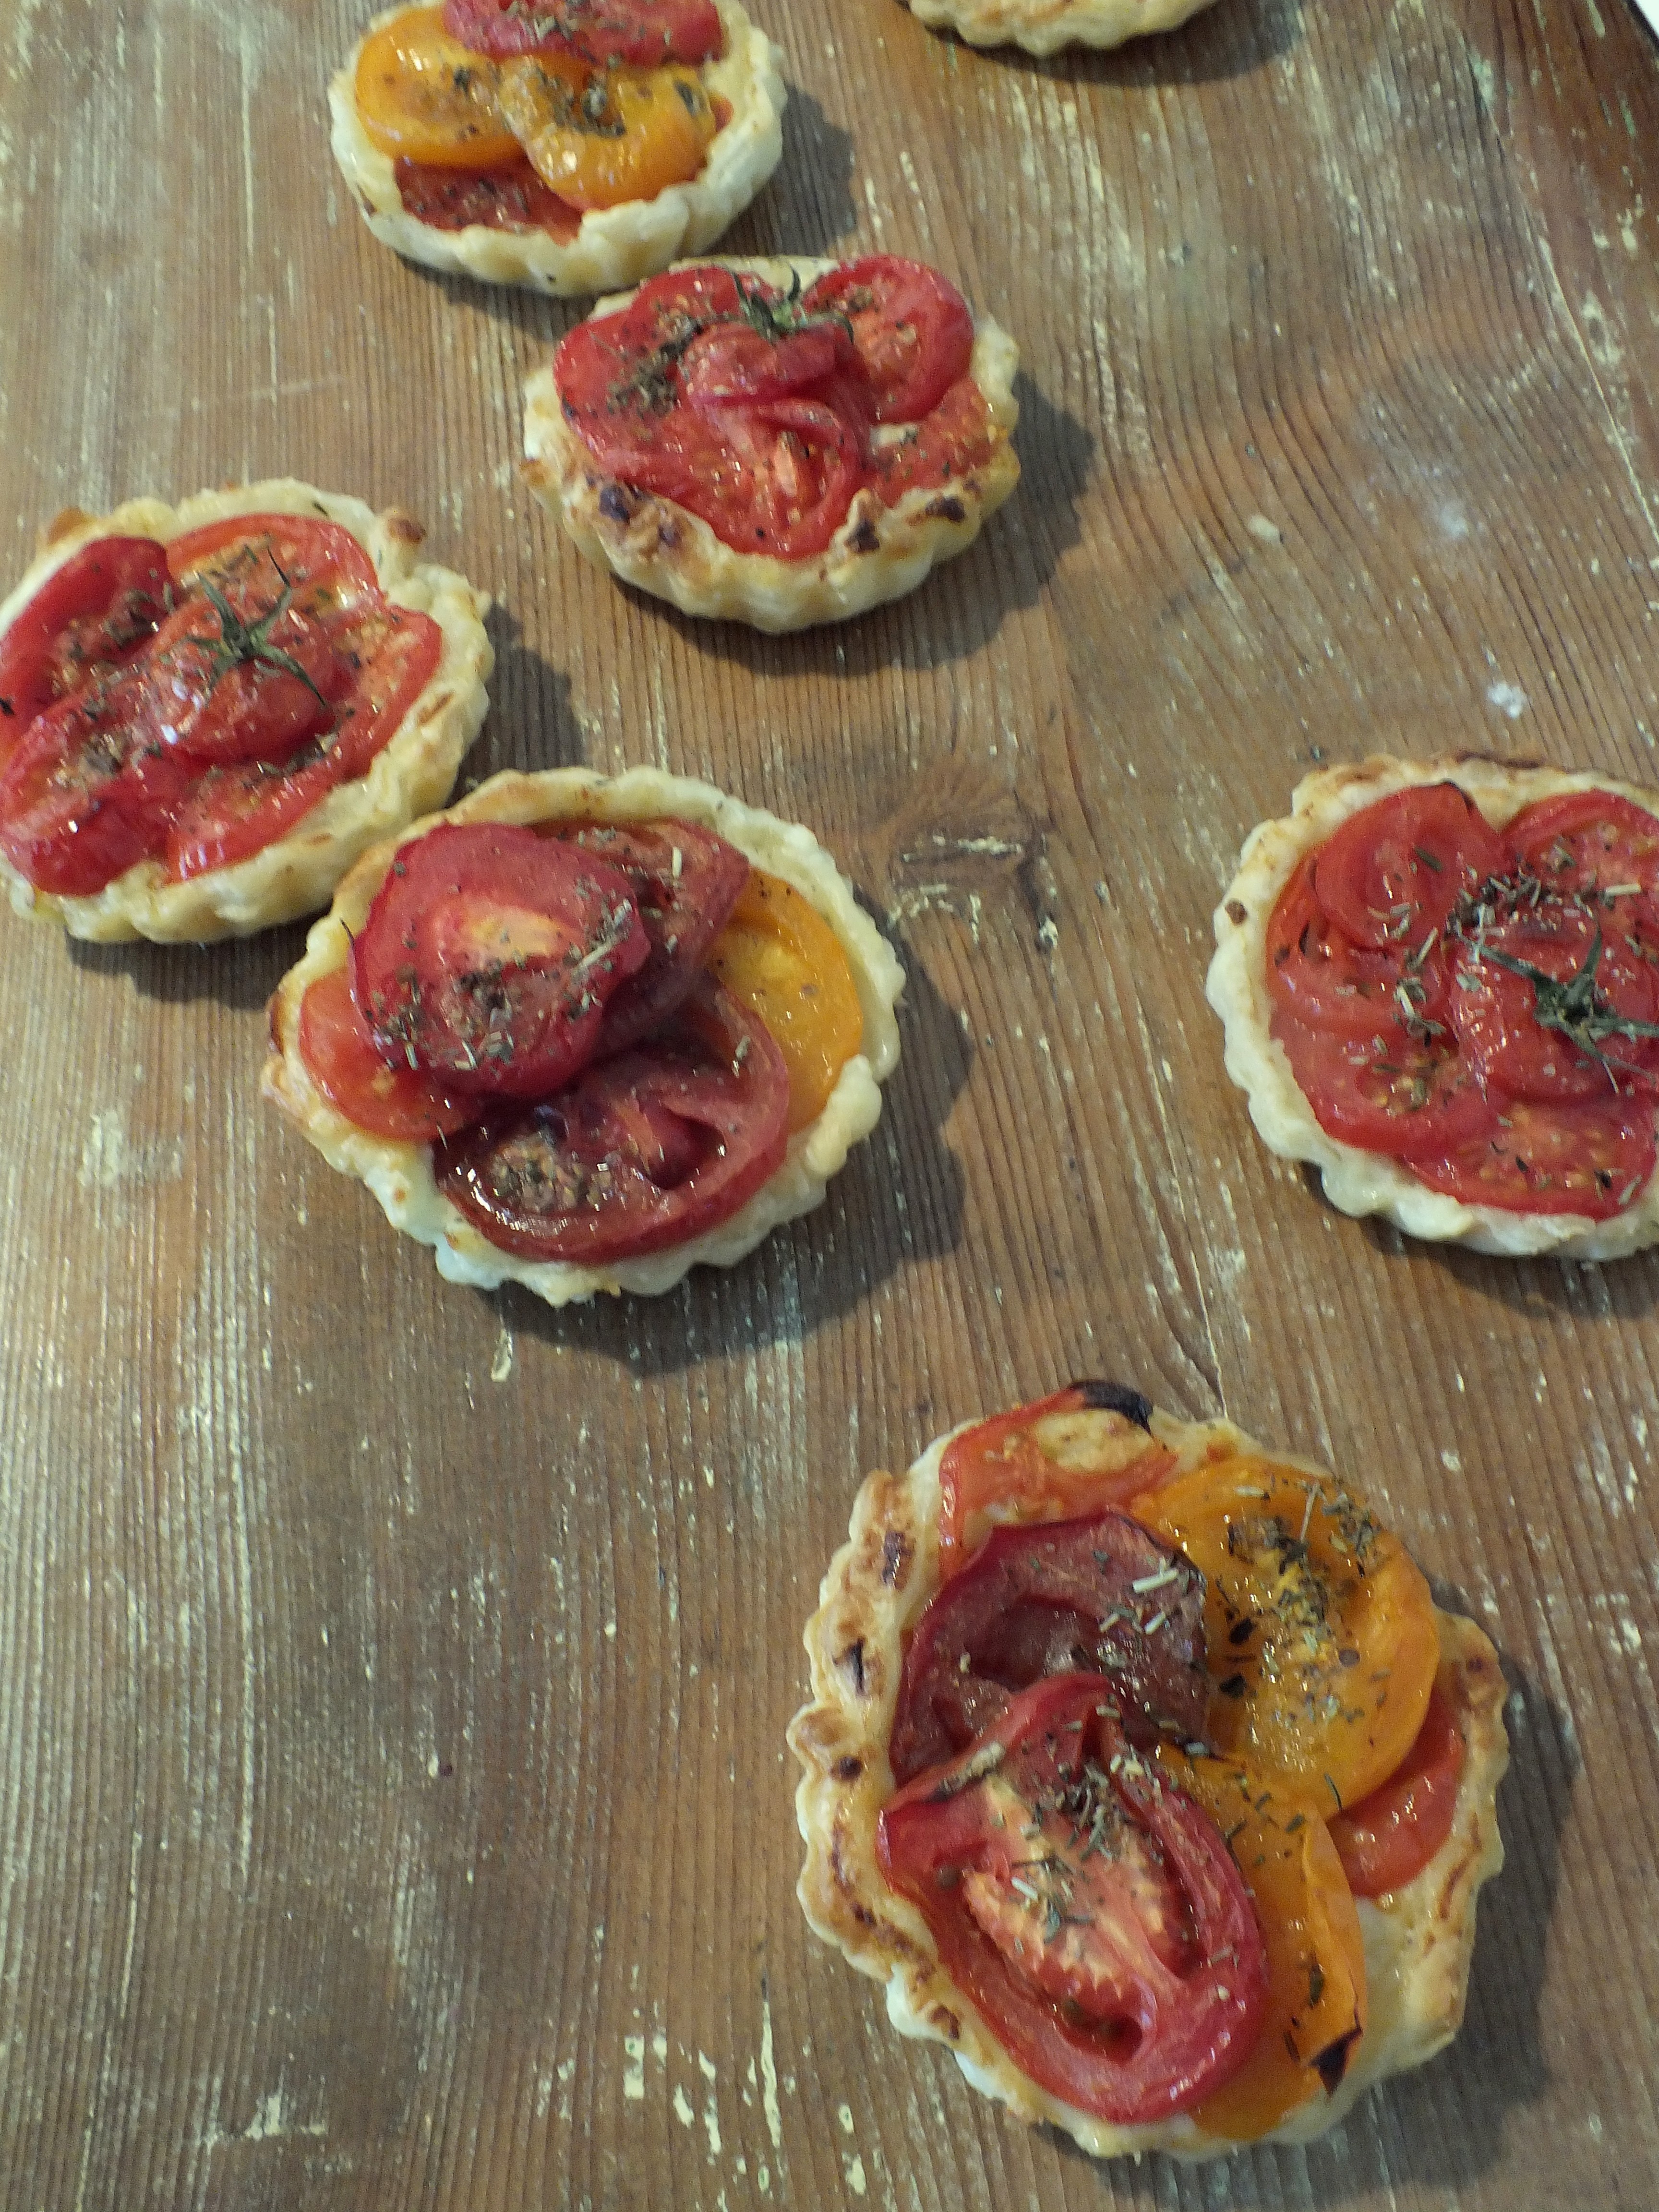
394 1809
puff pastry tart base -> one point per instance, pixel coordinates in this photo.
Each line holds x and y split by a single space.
412 773
1358 1181
614 246
1419 1939
400 1175
1043 27
879 553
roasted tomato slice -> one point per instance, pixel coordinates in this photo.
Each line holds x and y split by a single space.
1388 1837
254 559
1097 1597
1590 1158
87 619
1551 1009
423 96
1394 871
598 140
778 956
1088 1909
1395 1091
647 1150
911 326
489 954
643 32
342 1061
1319 1625
1316 975
1316 2009
511 197
686 880
1595 842
91 788
1085 1448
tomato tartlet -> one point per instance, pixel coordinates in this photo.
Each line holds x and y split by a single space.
1142 1769
569 147
1043 27
584 1032
780 442
208 711
1440 984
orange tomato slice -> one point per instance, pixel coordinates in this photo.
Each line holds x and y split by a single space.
423 96
598 137
1321 1628
779 957
1316 1955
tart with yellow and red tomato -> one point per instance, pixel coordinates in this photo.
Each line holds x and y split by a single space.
570 146
208 711
1440 984
1142 1769
1043 27
585 1032
780 442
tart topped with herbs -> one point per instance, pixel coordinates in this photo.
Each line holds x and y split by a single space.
570 147
1142 1770
1440 982
584 1032
782 442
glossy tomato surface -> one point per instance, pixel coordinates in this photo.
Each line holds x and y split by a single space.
643 32
1395 871
1390 1837
344 1063
1102 1595
423 96
206 695
511 197
645 1150
777 954
1596 842
1088 1908
752 407
488 955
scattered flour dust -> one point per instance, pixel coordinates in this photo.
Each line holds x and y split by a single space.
1509 699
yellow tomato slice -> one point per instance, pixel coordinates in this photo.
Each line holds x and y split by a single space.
598 137
1315 1954
422 95
1321 1628
780 956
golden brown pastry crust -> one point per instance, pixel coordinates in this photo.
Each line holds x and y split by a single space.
879 553
400 1175
414 772
1043 27
613 245
1361 1183
1418 1940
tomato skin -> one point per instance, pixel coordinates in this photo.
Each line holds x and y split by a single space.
1082 1449
1395 871
511 197
423 96
89 790
1391 1092
1164 2005
487 955
90 614
643 1151
340 1056
777 956
1590 1157
1595 842
251 557
1492 1010
1390 1837
1319 977
1055 1598
910 325
601 140
642 32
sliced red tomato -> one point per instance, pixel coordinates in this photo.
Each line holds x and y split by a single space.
911 326
599 31
342 1061
1097 1597
89 790
1318 975
937 452
1084 1449
489 954
1394 871
1594 842
685 881
1591 1158
1390 1837
1391 1091
89 617
1087 1908
253 559
647 1149
1531 1041
511 197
